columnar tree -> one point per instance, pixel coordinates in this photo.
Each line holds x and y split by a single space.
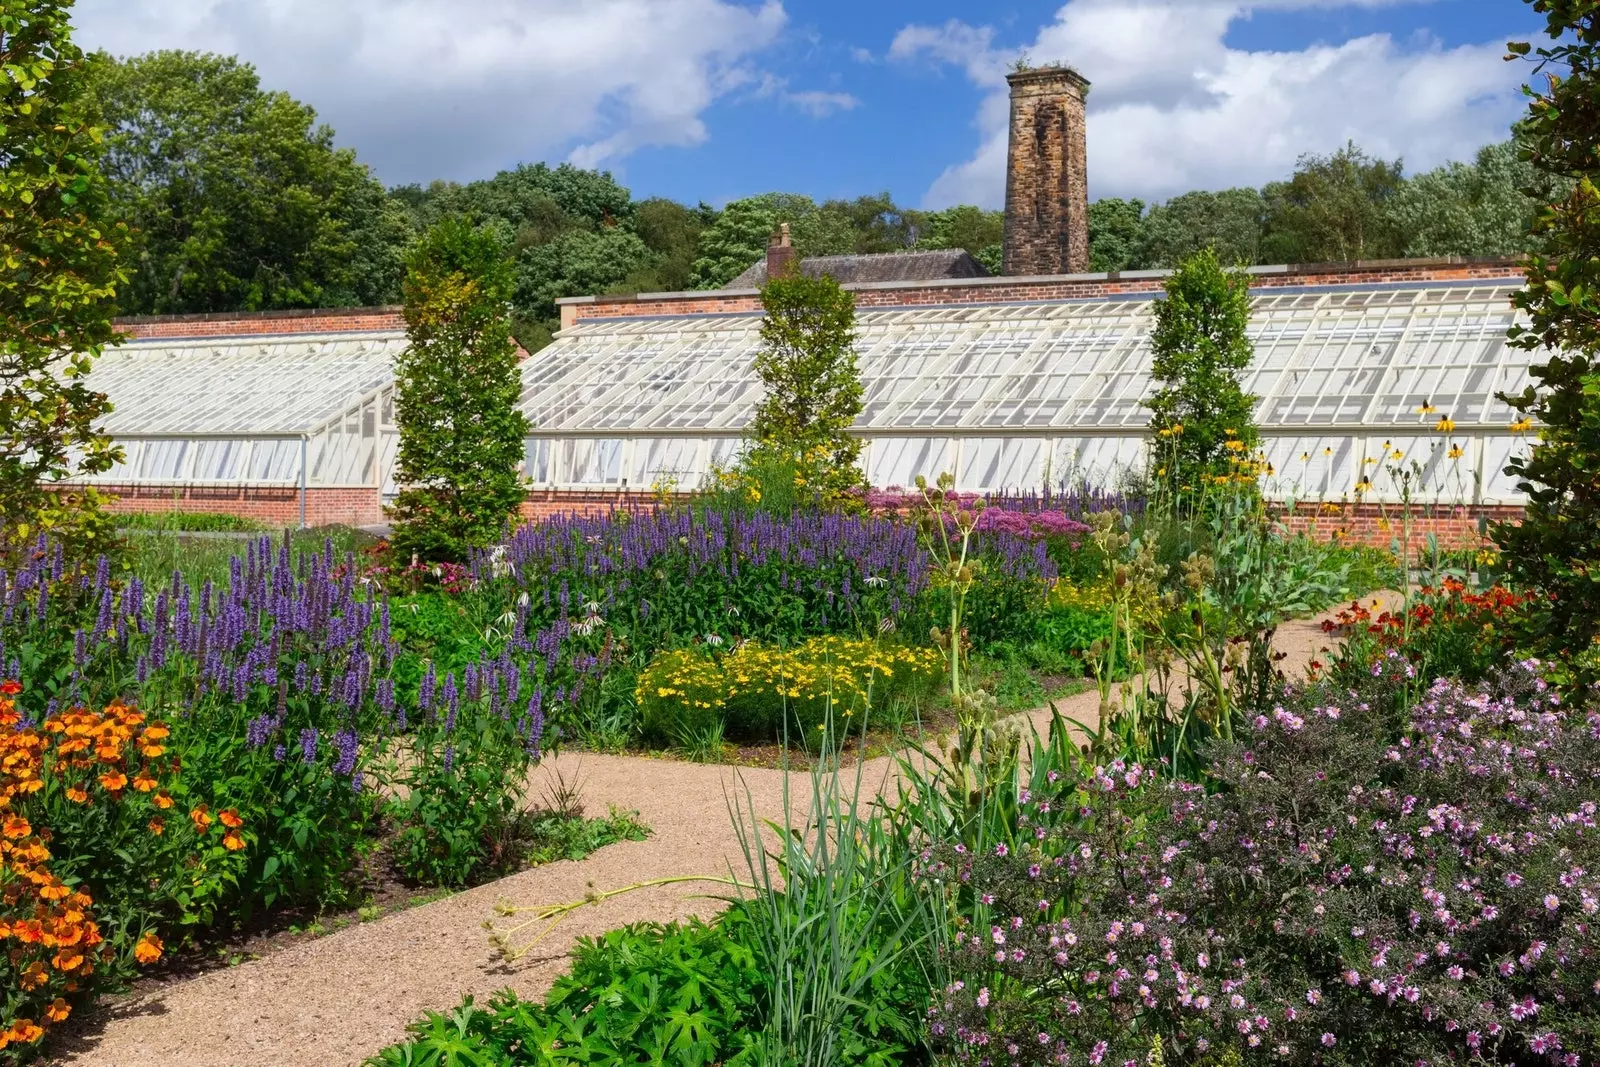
59 273
1200 413
457 386
1556 548
807 363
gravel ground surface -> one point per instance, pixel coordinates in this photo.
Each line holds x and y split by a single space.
333 1000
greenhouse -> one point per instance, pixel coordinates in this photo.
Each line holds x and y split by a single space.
1377 390
307 411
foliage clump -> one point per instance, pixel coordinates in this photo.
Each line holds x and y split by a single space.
59 276
456 393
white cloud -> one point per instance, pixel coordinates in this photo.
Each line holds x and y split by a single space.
1173 107
819 104
460 88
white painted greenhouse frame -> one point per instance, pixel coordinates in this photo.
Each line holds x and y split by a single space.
308 411
1017 396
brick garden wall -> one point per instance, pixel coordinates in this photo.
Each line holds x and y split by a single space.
262 323
271 505
1382 526
1023 290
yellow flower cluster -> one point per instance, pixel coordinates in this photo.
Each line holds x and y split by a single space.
693 686
1092 597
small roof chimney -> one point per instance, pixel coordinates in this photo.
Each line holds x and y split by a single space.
781 258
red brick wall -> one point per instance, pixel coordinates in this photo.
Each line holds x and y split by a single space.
258 323
272 505
1383 526
546 503
1004 290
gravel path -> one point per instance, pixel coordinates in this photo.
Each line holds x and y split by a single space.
335 999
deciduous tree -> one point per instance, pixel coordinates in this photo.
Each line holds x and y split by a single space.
457 387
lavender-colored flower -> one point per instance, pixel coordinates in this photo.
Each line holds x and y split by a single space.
347 744
258 731
308 744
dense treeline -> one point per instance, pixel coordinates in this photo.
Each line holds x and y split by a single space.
239 200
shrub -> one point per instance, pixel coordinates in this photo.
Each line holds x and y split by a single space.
1199 411
1359 889
812 391
1555 548
752 689
462 769
96 858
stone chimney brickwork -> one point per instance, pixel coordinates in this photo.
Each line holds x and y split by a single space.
1047 187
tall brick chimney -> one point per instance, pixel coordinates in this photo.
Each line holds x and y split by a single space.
1047 186
780 253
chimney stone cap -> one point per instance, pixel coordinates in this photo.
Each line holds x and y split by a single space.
1046 78
780 236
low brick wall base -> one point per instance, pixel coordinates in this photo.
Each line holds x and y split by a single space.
1383 526
1378 525
548 503
271 505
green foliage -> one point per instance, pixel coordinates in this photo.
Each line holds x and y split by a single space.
1334 208
578 262
238 198
1116 234
188 522
671 231
1227 222
981 233
457 386
1480 208
1555 550
562 836
59 276
738 238
682 995
1201 415
807 365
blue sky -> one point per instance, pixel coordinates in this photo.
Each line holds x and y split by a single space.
717 99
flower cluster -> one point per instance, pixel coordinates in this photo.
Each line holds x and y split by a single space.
1446 630
750 687
1347 894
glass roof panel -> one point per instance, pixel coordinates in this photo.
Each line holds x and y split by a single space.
1366 357
241 385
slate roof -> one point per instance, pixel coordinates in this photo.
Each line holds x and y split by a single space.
881 267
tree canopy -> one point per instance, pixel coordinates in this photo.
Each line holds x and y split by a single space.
237 197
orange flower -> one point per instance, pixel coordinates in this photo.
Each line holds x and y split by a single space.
232 841
156 732
17 826
68 959
35 976
54 891
201 818
144 782
24 1032
10 688
58 1010
230 818
157 826
114 780
77 794
109 753
148 950
163 800
151 751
